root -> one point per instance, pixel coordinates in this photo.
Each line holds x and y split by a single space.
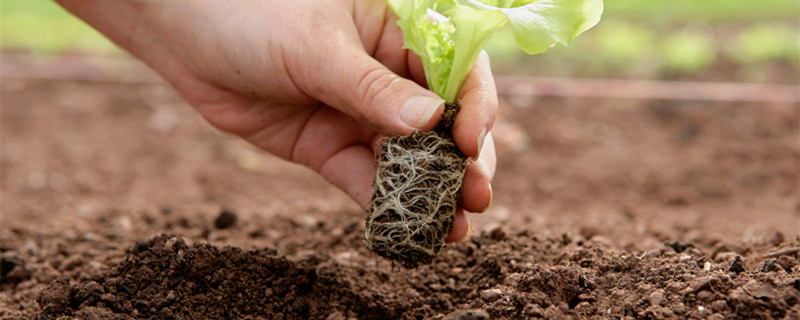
416 194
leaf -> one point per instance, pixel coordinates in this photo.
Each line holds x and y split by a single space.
449 34
539 25
472 29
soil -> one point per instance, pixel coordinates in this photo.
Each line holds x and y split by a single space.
119 202
416 194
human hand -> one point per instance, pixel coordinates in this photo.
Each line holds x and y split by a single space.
314 82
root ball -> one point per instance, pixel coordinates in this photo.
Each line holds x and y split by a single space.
416 193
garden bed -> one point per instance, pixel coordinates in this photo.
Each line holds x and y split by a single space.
120 202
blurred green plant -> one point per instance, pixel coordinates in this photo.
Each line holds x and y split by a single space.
641 39
689 50
672 11
763 42
624 44
42 26
657 39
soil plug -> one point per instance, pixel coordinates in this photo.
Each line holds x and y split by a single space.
419 176
416 194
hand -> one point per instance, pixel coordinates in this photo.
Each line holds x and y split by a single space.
314 82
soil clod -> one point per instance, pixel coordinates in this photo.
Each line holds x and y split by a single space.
225 219
737 266
491 295
8 263
679 247
416 194
467 315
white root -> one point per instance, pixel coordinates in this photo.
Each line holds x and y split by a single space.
416 194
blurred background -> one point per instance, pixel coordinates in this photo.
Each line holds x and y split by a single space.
743 41
748 41
671 121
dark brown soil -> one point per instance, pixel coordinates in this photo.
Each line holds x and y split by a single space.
417 186
505 275
602 209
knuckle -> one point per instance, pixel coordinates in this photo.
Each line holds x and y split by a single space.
372 84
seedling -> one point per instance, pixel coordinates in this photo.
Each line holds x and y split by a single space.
419 176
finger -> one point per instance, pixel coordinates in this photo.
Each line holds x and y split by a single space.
352 170
416 70
478 108
389 49
338 147
327 141
364 89
390 53
462 230
476 191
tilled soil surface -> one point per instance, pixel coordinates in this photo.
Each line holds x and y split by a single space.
120 203
496 275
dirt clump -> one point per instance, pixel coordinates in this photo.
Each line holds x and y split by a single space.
416 194
165 278
225 219
587 201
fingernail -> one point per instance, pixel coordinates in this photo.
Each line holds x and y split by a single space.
481 139
419 110
468 235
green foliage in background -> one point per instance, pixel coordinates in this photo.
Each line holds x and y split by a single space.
765 41
678 38
714 11
688 50
42 26
624 44
637 38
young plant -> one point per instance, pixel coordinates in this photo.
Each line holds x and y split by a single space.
419 176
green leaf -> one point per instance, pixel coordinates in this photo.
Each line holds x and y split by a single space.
539 25
472 29
449 34
429 38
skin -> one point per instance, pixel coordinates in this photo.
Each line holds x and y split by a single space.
316 82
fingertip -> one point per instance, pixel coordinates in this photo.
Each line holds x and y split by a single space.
468 236
461 228
366 90
486 202
476 190
479 106
422 112
480 197
481 140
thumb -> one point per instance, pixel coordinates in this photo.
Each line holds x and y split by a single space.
363 88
